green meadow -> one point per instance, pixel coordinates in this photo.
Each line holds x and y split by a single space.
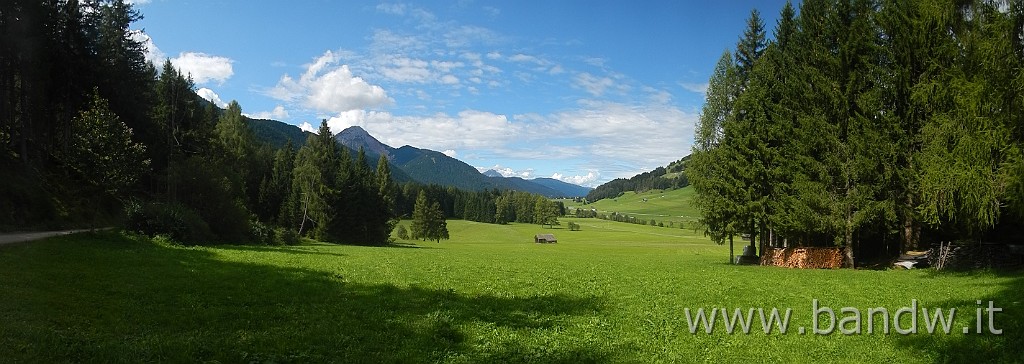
663 206
612 292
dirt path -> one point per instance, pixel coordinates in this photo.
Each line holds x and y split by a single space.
18 237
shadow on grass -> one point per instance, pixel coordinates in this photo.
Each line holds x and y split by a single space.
114 299
288 249
986 347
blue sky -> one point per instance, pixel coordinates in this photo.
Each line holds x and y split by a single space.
583 91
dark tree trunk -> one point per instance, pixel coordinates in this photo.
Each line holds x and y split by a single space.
732 256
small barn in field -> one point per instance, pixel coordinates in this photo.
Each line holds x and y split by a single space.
544 239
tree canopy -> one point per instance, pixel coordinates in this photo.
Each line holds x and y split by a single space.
864 125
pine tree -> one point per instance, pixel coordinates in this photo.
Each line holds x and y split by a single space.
706 169
750 47
313 183
427 220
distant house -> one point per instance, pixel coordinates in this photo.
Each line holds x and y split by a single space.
544 238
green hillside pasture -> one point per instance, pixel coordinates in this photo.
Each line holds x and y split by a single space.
609 293
663 206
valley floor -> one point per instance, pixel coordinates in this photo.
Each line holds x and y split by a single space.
612 292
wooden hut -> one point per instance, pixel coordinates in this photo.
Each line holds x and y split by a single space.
544 239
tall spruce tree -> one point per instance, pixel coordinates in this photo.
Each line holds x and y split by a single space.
707 168
427 220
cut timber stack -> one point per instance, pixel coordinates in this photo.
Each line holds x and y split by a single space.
807 258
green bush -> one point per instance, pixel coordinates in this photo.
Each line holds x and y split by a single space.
176 221
402 232
287 237
260 233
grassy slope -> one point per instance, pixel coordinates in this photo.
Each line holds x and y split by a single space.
663 206
610 293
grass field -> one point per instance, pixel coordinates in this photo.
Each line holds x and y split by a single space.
663 206
611 293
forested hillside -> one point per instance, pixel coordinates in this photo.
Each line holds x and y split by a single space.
660 178
94 135
877 126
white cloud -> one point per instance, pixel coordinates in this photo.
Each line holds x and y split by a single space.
446 66
394 9
327 86
592 84
469 129
450 152
407 70
153 54
601 132
203 67
449 80
508 172
609 130
519 57
700 88
494 55
466 35
306 126
586 180
211 96
279 113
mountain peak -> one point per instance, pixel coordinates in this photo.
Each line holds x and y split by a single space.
492 173
356 137
355 130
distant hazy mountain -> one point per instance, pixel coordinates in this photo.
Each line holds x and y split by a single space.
493 173
432 167
564 188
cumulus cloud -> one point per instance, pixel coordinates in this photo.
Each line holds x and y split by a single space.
610 129
586 180
306 126
328 86
153 54
469 129
450 152
602 134
278 113
211 96
203 67
508 172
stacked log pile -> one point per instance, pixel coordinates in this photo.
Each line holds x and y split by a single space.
805 258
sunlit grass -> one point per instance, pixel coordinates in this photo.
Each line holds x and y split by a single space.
610 293
662 206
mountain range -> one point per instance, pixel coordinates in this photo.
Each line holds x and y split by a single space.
432 167
425 166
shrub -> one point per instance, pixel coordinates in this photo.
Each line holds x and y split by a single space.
176 221
402 232
260 233
287 237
